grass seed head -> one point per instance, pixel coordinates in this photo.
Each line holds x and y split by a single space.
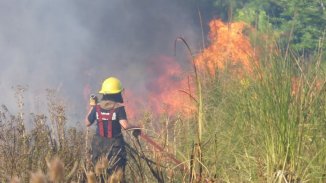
56 170
38 177
101 165
15 179
91 177
117 176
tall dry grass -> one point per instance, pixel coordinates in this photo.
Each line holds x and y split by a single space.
23 151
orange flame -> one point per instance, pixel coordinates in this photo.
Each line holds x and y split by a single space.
168 93
229 48
168 89
133 104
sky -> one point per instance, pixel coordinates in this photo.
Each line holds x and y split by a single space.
67 45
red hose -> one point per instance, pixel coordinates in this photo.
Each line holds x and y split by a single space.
158 147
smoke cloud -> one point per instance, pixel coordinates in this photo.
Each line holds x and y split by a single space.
67 45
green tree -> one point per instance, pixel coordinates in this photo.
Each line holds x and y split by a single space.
299 22
223 9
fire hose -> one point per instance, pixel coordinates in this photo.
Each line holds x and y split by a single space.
159 148
155 172
170 156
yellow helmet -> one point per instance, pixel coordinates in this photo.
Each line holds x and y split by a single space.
111 85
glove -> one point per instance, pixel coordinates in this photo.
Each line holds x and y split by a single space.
93 100
136 132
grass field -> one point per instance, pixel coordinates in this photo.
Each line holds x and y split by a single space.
267 125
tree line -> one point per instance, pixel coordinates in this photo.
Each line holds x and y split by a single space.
302 23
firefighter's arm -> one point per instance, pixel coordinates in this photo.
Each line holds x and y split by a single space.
124 123
136 129
92 102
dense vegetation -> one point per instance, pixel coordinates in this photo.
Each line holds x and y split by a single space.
266 125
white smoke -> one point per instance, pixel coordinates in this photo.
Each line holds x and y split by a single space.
64 45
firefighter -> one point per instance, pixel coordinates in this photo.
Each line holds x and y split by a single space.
111 118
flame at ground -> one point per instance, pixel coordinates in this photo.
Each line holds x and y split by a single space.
168 90
134 104
229 48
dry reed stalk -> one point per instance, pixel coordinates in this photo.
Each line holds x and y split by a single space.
38 177
200 106
20 101
86 148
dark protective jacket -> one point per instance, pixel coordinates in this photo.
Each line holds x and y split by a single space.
103 144
108 109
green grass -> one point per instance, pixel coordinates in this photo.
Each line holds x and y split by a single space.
264 130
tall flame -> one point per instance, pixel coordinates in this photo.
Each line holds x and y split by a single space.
229 48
